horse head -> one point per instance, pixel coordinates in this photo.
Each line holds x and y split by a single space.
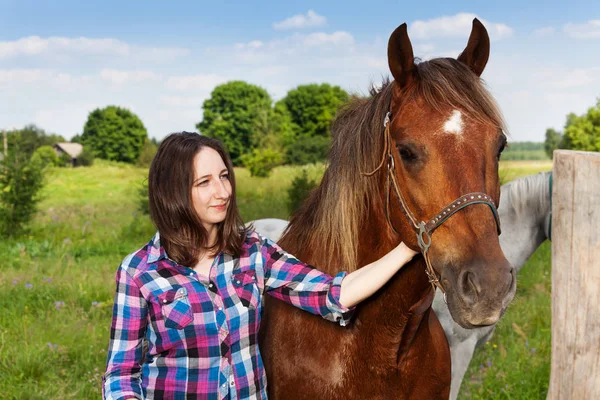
446 135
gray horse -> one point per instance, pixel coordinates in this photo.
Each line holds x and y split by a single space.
525 209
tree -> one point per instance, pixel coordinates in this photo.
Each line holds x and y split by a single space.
237 113
114 133
583 132
552 142
310 110
28 139
313 107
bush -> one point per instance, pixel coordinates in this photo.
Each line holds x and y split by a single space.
20 182
261 161
64 160
147 154
299 190
46 157
143 201
85 158
307 150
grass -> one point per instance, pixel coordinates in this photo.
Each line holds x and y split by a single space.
57 285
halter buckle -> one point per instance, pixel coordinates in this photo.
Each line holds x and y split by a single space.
423 244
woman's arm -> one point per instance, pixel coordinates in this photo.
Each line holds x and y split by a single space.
122 379
365 281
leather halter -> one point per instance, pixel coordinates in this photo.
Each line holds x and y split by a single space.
423 229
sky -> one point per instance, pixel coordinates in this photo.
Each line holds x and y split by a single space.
59 60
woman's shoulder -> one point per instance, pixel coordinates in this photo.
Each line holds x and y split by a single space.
139 260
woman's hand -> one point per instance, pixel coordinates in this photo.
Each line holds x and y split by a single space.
365 281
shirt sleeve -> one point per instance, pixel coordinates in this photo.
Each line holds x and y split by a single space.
122 378
302 285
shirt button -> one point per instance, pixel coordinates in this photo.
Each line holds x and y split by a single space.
231 383
224 385
165 301
238 282
191 273
210 285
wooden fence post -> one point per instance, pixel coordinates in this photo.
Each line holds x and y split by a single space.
575 276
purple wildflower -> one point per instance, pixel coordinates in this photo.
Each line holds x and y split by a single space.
52 346
489 363
533 350
15 281
28 285
58 304
94 303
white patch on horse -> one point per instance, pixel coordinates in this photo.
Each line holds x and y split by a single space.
454 123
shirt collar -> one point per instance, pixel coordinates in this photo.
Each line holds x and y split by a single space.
155 251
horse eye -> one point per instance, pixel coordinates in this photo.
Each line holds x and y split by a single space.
502 147
407 154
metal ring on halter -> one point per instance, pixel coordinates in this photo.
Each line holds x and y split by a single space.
445 300
423 232
387 119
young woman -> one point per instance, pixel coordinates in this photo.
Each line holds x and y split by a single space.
194 292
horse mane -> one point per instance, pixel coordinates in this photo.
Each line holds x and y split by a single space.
530 193
329 222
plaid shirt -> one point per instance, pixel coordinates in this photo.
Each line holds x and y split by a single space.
202 331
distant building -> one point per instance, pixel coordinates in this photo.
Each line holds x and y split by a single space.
72 149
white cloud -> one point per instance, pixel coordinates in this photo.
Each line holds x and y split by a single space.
118 77
300 21
567 78
203 82
589 30
458 25
336 38
544 32
181 101
35 76
58 47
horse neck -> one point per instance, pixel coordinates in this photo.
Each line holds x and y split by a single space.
524 206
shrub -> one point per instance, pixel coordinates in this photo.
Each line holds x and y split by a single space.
261 161
299 190
143 202
20 182
147 154
85 158
45 156
307 150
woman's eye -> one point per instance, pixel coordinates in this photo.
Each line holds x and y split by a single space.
225 176
203 183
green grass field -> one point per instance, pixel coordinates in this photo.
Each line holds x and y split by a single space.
57 284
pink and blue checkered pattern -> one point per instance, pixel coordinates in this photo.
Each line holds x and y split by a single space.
202 331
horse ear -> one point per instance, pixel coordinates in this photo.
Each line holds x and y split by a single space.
400 57
477 52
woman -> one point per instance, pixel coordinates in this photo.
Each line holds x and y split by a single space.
195 290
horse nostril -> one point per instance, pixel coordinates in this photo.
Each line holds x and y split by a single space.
511 281
469 287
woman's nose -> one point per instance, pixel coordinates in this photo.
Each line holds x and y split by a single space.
221 191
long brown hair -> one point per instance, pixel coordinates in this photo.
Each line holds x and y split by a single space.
170 182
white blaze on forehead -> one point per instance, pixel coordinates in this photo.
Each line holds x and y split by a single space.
454 123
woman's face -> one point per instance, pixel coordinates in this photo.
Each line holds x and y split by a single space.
211 190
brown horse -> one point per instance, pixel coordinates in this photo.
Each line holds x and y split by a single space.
443 141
